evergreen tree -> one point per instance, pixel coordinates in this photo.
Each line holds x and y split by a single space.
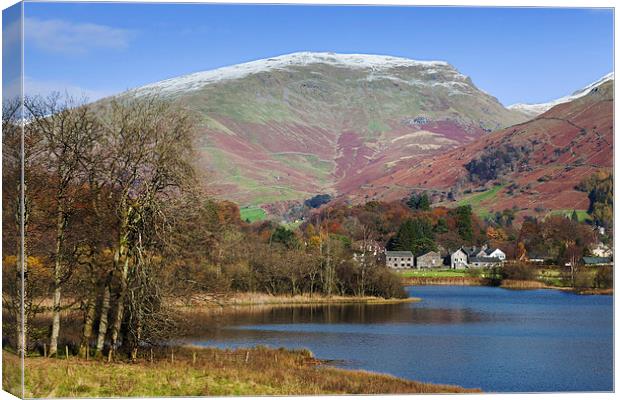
419 202
464 223
415 235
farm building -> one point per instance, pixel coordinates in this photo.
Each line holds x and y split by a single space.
432 259
596 261
399 259
484 262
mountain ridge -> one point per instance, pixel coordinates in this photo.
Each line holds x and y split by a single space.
535 109
543 160
292 126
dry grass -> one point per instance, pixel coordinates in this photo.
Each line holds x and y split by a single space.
259 371
263 299
519 284
444 281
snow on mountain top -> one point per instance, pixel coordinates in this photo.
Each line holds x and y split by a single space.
358 61
533 110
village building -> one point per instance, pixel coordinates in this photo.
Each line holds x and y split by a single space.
477 257
484 262
495 253
432 259
473 251
458 259
601 250
399 259
536 257
366 250
596 261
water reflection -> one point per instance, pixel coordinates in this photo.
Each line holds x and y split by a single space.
348 314
469 336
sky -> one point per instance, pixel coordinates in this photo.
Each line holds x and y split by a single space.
515 54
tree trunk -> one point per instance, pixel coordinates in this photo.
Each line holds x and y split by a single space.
103 320
60 229
88 325
120 307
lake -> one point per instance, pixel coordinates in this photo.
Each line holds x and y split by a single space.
491 338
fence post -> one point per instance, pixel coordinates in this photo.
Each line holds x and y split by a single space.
194 358
247 356
66 352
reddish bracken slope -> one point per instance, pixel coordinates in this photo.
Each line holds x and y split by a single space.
567 143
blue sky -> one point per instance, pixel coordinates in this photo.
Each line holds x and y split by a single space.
517 55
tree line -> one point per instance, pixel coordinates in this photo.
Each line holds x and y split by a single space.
104 213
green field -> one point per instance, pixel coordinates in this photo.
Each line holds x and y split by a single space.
476 199
252 214
433 273
582 215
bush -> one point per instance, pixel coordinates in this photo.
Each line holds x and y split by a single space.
519 271
384 283
604 278
584 278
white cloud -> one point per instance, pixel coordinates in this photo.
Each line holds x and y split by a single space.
56 35
33 87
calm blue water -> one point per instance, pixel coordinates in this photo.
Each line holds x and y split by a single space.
479 337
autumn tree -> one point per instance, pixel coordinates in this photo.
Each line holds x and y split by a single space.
69 133
148 146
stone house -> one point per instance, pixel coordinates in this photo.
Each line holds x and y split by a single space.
399 259
458 259
432 259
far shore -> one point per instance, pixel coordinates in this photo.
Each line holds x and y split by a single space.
506 283
249 299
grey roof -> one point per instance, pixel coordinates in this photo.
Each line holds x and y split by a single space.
597 260
430 253
399 254
470 251
491 250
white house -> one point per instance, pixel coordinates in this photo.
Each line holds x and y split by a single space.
495 253
601 250
458 259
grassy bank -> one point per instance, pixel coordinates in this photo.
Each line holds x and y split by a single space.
263 299
433 273
544 278
444 281
205 372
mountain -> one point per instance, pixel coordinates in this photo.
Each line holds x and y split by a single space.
290 127
533 166
532 110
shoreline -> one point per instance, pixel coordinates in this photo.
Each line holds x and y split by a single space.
506 284
190 371
255 299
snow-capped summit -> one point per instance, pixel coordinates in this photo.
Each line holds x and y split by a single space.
374 63
533 110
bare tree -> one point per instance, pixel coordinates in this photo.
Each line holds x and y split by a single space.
148 147
69 133
14 213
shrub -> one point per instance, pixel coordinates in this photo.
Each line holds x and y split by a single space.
604 278
519 271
